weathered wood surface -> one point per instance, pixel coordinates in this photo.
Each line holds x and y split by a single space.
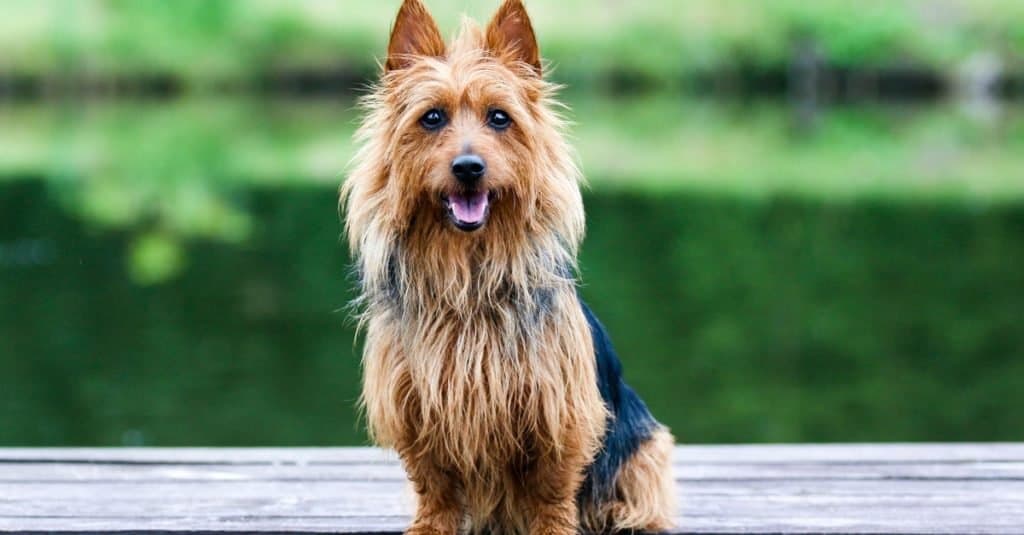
935 488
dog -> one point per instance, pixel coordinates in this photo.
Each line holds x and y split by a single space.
483 368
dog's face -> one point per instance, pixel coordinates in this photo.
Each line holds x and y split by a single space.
463 186
465 118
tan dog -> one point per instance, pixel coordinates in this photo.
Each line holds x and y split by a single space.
483 369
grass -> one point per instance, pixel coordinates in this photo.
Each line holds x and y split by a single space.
204 40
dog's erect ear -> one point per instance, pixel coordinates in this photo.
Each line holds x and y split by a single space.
510 35
414 34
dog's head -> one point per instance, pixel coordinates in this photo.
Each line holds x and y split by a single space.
460 140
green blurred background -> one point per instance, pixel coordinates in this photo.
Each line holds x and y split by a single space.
806 219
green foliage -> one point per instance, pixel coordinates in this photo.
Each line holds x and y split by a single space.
155 258
182 169
125 161
803 320
204 41
738 320
762 149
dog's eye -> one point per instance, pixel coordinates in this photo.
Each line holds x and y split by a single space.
433 119
498 119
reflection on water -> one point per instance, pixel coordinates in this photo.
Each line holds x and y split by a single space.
739 319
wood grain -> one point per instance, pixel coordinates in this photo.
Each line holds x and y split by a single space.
778 489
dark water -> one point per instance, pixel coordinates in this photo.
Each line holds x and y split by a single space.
738 320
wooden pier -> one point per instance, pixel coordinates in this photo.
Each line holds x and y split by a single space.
777 489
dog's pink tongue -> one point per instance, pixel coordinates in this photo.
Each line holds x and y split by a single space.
469 207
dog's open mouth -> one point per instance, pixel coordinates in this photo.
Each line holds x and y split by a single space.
468 210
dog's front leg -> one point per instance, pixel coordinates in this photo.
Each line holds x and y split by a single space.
551 494
438 509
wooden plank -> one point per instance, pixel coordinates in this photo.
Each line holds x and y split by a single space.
280 456
30 472
898 488
747 453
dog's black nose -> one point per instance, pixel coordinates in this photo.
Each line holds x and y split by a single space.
468 168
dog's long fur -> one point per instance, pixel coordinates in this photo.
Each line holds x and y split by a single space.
497 387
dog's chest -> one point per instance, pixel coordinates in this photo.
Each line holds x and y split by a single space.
485 390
